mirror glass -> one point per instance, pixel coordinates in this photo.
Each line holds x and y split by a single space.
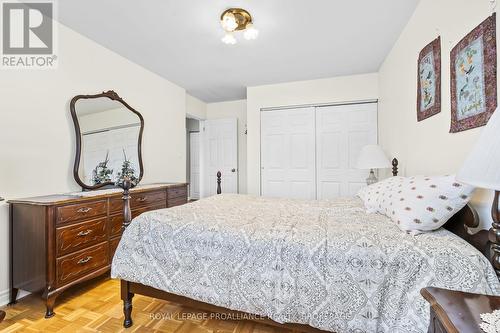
109 142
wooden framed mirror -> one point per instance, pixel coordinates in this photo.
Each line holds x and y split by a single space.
108 141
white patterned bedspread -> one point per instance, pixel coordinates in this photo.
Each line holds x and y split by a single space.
327 264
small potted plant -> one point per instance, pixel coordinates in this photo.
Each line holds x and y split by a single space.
127 172
101 173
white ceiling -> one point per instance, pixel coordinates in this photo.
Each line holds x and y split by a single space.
299 39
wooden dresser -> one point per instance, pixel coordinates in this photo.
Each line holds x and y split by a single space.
58 241
456 311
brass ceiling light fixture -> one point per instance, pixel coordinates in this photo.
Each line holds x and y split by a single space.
237 19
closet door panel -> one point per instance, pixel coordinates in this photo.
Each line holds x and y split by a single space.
331 153
274 151
288 148
341 133
330 189
330 150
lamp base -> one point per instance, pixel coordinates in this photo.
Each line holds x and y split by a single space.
372 179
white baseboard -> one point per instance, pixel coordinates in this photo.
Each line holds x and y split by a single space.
5 296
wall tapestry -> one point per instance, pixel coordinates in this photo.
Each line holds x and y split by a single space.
474 77
429 80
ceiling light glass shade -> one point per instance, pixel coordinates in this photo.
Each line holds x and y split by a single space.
372 157
251 32
229 39
228 22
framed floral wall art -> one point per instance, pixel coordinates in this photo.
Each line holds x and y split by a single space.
429 80
474 77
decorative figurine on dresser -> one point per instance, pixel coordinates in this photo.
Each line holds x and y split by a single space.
60 240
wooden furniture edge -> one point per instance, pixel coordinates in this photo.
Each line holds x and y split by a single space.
395 164
69 198
2 313
494 234
129 289
438 309
457 311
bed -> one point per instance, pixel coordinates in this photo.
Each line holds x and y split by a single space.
313 266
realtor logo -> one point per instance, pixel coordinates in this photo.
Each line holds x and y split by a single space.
28 35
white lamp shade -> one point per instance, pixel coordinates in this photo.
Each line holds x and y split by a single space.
372 157
482 166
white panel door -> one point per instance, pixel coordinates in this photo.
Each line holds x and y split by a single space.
288 153
341 132
221 154
194 158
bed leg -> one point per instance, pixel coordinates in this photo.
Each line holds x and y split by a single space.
127 303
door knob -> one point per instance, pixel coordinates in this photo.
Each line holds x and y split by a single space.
233 170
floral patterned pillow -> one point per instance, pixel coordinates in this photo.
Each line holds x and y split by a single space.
417 204
371 195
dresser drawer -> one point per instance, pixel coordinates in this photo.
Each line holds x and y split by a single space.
139 211
138 200
116 221
177 201
80 263
115 225
116 205
177 192
113 244
81 211
147 199
76 236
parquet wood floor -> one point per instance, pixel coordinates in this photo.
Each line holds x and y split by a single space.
96 307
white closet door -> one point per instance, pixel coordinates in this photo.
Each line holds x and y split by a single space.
341 132
288 153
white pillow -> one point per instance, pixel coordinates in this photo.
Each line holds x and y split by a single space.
419 203
371 194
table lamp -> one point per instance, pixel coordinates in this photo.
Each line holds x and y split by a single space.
372 157
482 169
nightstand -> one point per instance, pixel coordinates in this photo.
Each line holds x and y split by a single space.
456 311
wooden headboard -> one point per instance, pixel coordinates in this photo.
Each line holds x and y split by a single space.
461 224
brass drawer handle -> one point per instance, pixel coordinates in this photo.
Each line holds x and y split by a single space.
84 233
84 210
142 199
84 261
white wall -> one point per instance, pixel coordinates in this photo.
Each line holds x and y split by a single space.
427 147
195 108
37 143
234 109
332 90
